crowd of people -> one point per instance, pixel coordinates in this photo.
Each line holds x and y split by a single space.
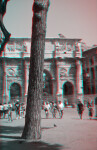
53 108
6 110
80 109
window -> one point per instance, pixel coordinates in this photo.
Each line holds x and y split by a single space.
92 73
93 89
92 61
96 71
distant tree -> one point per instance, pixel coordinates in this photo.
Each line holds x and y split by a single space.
32 128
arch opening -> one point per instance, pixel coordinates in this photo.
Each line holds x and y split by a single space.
47 86
68 93
68 89
15 92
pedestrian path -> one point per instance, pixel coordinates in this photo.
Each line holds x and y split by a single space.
68 133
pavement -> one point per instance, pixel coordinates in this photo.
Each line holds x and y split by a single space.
68 133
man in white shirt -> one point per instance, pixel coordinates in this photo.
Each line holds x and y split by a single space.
46 109
60 109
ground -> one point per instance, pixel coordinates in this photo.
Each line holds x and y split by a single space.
68 133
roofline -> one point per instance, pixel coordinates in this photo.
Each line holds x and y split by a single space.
47 39
92 48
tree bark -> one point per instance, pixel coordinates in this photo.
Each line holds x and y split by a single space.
32 128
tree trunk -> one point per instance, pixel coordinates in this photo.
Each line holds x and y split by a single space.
32 128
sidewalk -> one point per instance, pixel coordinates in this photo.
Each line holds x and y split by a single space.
70 133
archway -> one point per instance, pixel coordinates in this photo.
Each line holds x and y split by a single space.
68 89
15 92
47 83
68 92
47 86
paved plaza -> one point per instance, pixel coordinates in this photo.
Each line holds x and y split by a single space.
68 133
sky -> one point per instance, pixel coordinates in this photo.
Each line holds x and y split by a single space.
72 18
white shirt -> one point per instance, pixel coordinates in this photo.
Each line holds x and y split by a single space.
61 106
47 106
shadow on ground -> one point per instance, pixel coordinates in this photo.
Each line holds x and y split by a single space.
16 145
10 140
15 130
11 129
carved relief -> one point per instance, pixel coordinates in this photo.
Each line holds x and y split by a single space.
10 47
25 46
60 46
72 71
13 71
69 47
64 46
18 46
63 73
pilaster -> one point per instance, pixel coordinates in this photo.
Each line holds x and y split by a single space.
79 80
4 94
59 89
26 80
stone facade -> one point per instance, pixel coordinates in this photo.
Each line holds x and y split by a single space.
63 74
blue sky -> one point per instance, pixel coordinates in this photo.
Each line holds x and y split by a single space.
72 18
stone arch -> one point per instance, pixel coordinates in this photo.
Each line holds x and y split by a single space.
68 92
68 88
15 91
47 82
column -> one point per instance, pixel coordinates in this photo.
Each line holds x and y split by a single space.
4 94
22 77
79 80
26 80
59 89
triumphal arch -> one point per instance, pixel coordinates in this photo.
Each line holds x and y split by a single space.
62 77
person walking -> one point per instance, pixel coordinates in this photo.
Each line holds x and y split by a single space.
3 4
80 108
60 109
88 104
10 112
17 109
90 109
46 109
54 109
